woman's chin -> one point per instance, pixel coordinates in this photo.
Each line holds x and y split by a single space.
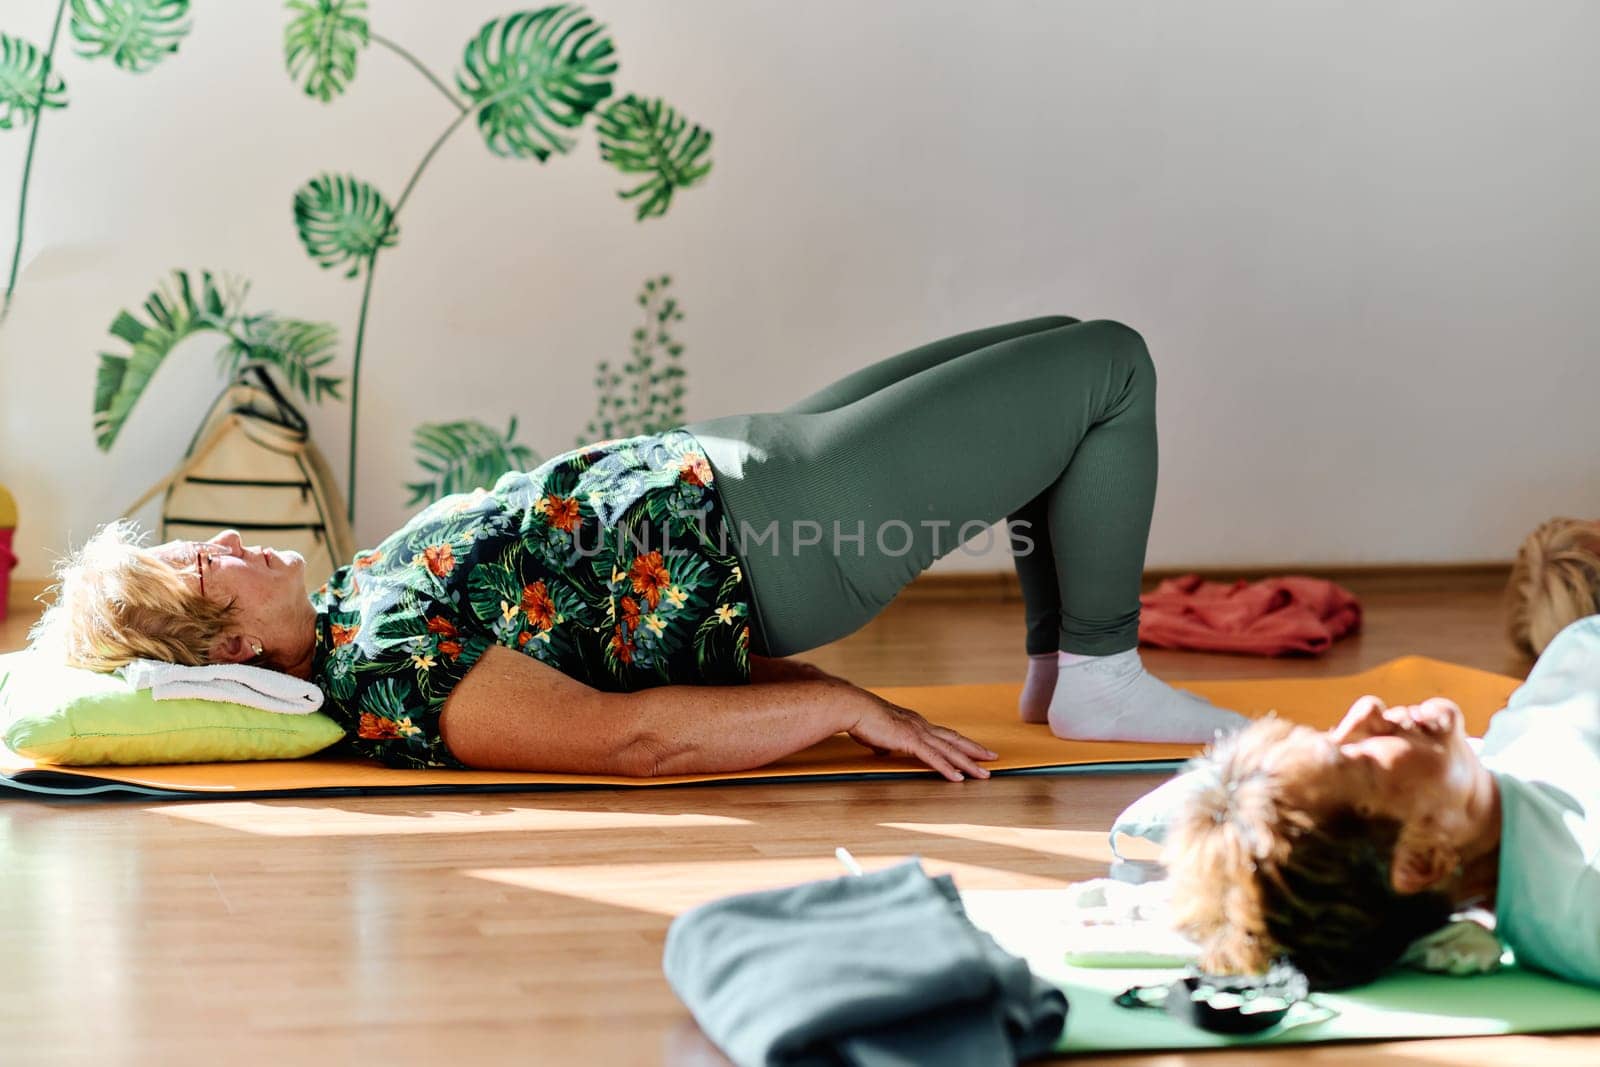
288 557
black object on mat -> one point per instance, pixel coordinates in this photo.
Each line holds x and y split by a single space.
1233 1004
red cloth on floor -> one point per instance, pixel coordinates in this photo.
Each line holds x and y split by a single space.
1271 617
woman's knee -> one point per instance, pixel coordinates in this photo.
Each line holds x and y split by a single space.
1126 348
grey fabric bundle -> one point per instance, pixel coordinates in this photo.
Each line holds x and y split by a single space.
882 969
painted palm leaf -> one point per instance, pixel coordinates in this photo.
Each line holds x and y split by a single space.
24 89
464 455
648 137
533 74
136 34
177 309
301 350
321 43
386 698
490 586
343 220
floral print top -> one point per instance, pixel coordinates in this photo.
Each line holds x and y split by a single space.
610 562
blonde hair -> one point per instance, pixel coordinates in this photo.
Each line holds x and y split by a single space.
1260 873
115 601
1554 581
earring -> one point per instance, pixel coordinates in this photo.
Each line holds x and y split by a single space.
257 649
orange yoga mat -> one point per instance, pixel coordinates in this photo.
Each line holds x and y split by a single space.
986 713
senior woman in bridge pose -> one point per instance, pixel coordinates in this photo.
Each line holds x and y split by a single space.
625 607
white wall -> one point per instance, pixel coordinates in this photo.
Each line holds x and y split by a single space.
1360 238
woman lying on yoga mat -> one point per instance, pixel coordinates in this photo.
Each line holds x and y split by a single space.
1339 849
640 578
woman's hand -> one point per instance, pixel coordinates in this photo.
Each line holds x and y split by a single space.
884 727
888 728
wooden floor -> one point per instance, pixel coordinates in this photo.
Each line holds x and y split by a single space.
528 929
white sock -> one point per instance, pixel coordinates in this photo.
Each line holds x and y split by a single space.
1037 687
1113 698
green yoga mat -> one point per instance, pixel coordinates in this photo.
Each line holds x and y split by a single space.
1403 1005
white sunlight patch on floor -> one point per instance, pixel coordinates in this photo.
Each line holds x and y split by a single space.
670 888
1079 844
277 820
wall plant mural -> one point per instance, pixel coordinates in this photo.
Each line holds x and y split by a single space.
183 306
134 34
640 398
528 81
630 402
459 456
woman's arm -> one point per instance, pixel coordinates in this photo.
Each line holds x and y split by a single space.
512 712
776 669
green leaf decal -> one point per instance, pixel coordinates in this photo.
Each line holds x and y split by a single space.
176 310
646 394
464 455
182 307
136 34
300 349
532 74
648 137
343 220
21 74
321 43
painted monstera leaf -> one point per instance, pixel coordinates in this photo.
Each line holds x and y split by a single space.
301 350
648 137
321 43
532 75
460 456
343 220
177 309
24 89
136 34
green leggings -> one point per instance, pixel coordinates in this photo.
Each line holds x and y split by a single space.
839 500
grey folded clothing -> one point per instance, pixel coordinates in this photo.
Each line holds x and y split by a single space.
880 969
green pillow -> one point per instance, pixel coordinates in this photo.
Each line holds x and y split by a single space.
78 718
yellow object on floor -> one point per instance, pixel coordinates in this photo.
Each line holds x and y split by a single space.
986 713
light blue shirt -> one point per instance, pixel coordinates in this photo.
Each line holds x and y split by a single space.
1544 750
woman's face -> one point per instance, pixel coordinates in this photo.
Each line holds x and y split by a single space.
1410 763
1400 762
266 587
1407 758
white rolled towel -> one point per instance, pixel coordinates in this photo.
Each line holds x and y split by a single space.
234 683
